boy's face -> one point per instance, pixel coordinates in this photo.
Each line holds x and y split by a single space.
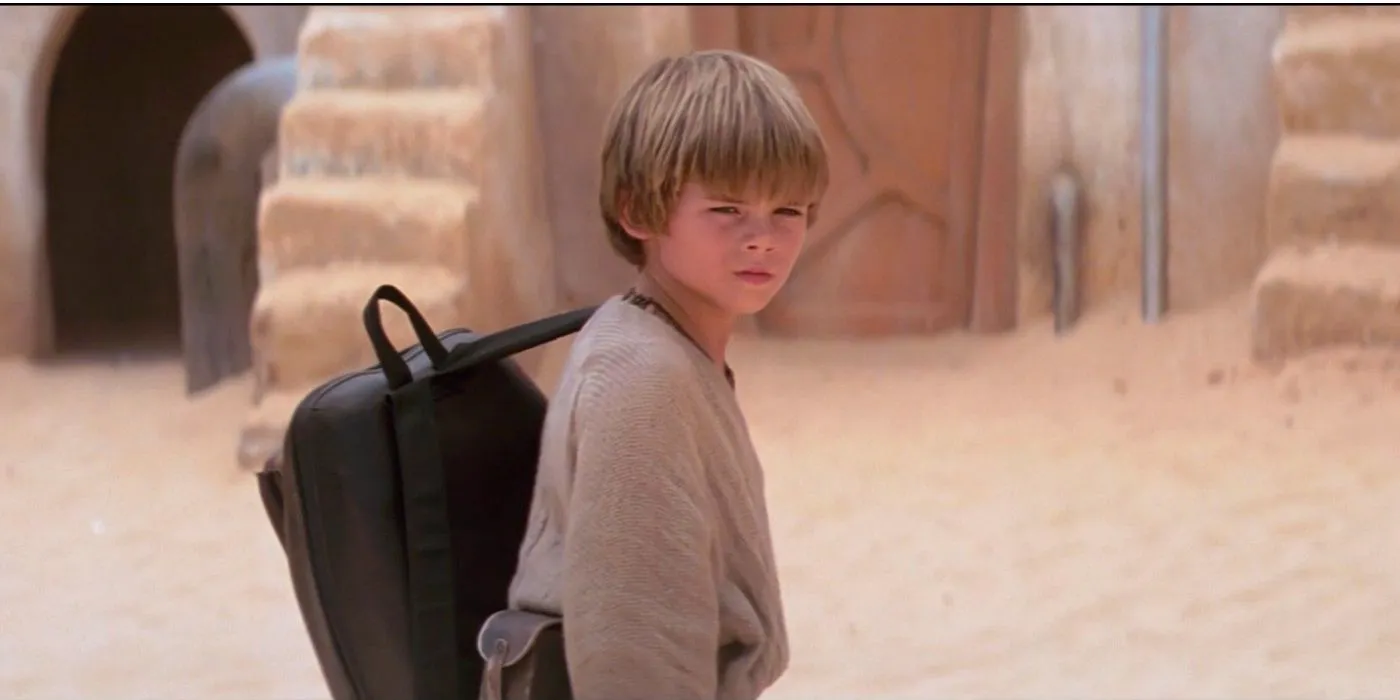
735 253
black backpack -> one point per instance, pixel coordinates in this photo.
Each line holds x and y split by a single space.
401 499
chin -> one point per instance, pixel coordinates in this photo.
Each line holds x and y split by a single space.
750 304
747 310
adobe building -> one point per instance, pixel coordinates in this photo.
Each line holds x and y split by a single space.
92 104
452 151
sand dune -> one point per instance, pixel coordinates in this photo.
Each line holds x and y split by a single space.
1128 512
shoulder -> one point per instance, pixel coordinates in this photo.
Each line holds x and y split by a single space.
641 385
632 360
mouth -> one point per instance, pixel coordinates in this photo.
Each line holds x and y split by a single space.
755 276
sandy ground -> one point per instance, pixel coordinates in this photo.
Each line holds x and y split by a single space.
1128 512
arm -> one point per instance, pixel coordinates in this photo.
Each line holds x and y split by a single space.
640 606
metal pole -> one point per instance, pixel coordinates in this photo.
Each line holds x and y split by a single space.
1154 162
1064 202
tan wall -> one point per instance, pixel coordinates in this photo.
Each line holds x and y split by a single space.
1081 105
30 40
1225 128
513 193
584 58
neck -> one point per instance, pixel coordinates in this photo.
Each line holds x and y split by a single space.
708 325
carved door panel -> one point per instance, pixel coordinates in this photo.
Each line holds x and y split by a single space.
897 93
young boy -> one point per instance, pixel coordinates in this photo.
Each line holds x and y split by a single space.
649 531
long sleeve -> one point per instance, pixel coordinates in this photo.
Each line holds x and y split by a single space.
639 603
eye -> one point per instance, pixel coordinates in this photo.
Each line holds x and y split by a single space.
729 211
790 211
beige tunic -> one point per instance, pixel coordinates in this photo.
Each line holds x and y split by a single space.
649 529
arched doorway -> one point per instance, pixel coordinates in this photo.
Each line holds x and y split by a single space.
124 86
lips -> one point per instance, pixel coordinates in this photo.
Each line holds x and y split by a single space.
755 276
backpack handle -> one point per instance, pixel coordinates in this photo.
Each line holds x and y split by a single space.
393 364
511 341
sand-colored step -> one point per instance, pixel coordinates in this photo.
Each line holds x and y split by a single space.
356 133
310 222
1340 75
1326 296
395 48
1339 189
307 324
1307 14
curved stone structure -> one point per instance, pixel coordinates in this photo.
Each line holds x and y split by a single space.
31 40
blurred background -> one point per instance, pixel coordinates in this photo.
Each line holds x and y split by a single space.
1085 386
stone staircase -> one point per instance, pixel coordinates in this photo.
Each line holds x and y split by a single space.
400 114
1333 273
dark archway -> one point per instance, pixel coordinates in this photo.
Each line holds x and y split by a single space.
125 84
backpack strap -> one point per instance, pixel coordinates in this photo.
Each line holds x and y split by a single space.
428 546
508 342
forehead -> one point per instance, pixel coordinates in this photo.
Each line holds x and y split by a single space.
746 195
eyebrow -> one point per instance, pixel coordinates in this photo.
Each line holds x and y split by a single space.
723 198
731 200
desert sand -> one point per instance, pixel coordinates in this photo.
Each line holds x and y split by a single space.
1129 511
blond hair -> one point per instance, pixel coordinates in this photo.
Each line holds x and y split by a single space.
719 118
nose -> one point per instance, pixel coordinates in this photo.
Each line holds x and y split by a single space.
759 238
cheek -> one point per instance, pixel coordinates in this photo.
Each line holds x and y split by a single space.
708 240
793 238
694 249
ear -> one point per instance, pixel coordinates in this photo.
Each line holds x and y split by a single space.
635 231
624 208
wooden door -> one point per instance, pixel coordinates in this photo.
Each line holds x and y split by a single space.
897 91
